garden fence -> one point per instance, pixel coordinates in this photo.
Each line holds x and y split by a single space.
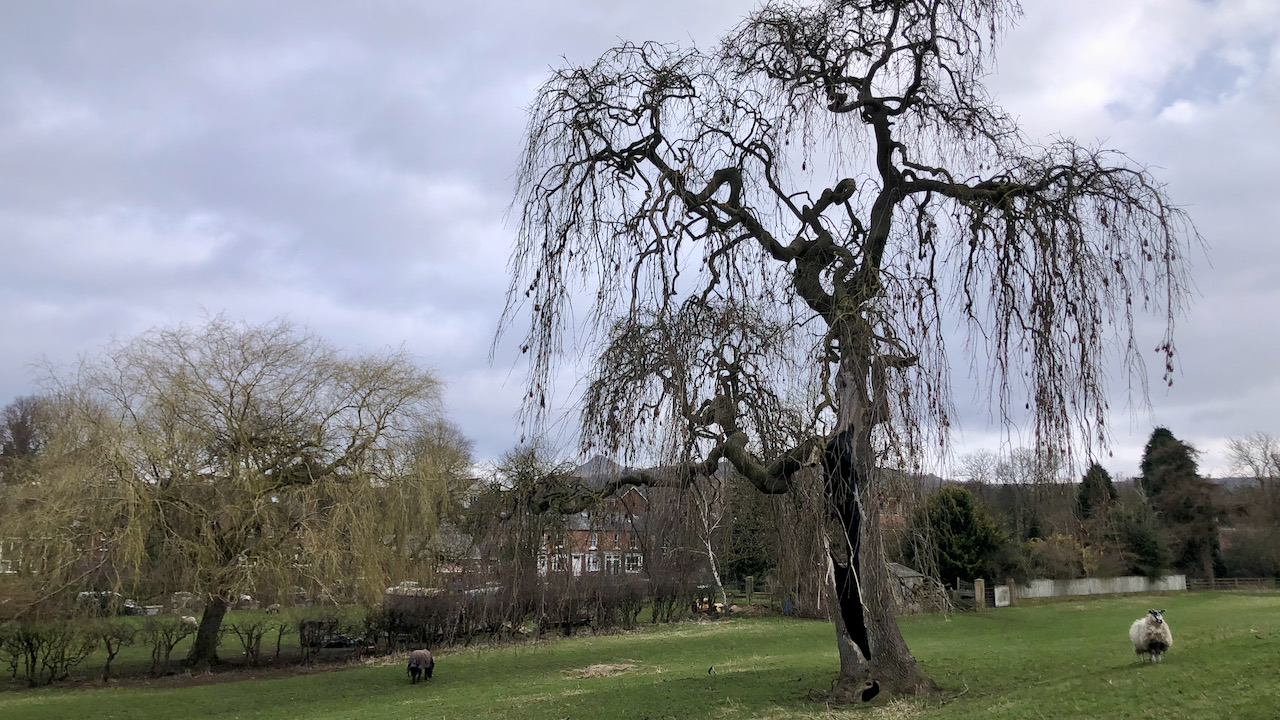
1199 585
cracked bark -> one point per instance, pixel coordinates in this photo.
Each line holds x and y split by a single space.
870 644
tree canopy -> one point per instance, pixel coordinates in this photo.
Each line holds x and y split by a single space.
1184 501
965 540
235 458
1096 491
777 236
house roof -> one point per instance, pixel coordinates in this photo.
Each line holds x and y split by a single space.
604 523
902 571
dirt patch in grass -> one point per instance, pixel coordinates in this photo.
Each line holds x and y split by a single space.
605 670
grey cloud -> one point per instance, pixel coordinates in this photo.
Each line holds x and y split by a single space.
348 165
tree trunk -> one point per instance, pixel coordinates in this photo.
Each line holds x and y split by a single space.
204 651
715 574
873 656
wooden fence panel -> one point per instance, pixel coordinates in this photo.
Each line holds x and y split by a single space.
1197 585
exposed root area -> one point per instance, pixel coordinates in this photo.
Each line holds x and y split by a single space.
869 689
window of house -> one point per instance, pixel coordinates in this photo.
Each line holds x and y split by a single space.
542 564
617 541
635 561
559 563
593 562
595 541
612 563
635 543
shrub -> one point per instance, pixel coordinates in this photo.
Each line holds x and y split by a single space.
315 632
46 650
1058 556
1252 552
1134 531
250 629
282 628
163 633
115 635
560 602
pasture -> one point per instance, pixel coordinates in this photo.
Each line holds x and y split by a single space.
1065 659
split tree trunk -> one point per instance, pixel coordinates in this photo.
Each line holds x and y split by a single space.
204 651
871 647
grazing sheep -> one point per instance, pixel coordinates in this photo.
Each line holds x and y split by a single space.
1151 636
420 662
190 622
273 609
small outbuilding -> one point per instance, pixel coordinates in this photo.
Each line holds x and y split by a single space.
913 591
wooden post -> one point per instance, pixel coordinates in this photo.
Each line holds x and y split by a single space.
751 587
979 593
1013 591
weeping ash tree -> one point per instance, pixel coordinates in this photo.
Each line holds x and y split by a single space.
777 237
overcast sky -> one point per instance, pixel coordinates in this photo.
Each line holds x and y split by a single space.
347 165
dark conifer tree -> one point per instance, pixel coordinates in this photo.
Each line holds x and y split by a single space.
1184 502
1096 491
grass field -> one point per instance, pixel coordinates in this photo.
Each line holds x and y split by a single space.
1068 659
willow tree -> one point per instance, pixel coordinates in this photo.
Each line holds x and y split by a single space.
236 458
803 216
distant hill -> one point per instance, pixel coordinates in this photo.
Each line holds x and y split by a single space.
1233 482
597 472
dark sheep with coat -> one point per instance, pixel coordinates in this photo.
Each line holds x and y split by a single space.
420 663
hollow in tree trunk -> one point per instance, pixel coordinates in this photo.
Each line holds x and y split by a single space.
872 651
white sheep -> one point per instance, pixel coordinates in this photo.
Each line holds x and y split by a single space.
1151 636
190 622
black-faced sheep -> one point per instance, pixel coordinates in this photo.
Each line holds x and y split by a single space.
1151 636
420 663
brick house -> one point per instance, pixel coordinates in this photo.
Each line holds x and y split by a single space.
608 538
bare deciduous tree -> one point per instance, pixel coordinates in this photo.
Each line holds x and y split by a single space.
20 433
979 466
710 500
1255 545
804 213
1258 455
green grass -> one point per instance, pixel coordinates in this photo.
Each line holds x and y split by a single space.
1060 660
